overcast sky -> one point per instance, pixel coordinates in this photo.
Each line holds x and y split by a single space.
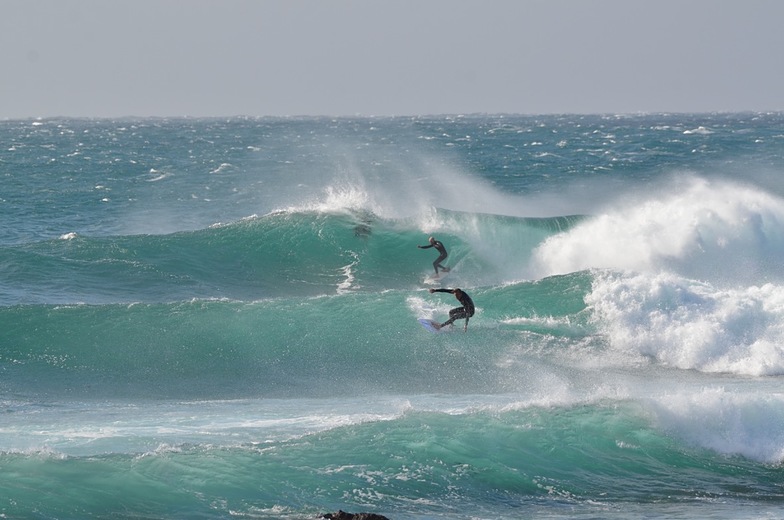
104 58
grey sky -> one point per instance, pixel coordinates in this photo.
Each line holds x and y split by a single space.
104 58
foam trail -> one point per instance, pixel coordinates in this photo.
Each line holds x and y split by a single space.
718 231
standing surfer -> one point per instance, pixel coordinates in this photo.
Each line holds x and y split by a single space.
442 250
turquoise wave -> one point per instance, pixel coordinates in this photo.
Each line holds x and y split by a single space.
419 464
294 346
281 254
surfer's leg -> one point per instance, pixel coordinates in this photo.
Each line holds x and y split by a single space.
455 314
437 263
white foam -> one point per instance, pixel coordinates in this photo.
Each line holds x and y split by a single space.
73 429
223 167
347 284
157 175
700 130
719 231
426 308
692 325
728 422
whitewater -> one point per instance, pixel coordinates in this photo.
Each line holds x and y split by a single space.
217 318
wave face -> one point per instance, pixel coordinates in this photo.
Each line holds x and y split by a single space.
284 253
213 318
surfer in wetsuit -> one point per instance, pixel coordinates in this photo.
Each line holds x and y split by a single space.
442 250
458 313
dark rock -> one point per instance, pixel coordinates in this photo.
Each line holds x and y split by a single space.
342 515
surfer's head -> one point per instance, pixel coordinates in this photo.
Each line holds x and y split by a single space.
431 240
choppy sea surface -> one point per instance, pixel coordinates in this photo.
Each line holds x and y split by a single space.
217 318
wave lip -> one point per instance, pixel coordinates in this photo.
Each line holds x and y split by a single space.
711 230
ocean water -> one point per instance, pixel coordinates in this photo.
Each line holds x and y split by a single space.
216 318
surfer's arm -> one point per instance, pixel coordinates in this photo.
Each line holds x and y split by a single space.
450 291
425 247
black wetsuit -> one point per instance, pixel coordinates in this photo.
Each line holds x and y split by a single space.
458 313
441 249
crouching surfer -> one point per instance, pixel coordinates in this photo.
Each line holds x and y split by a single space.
458 313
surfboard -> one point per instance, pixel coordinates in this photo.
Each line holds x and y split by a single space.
435 279
430 325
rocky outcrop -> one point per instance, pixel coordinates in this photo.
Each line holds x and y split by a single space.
342 515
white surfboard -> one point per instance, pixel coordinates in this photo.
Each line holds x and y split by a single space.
432 326
435 279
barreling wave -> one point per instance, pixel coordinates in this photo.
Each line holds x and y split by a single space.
285 253
718 232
